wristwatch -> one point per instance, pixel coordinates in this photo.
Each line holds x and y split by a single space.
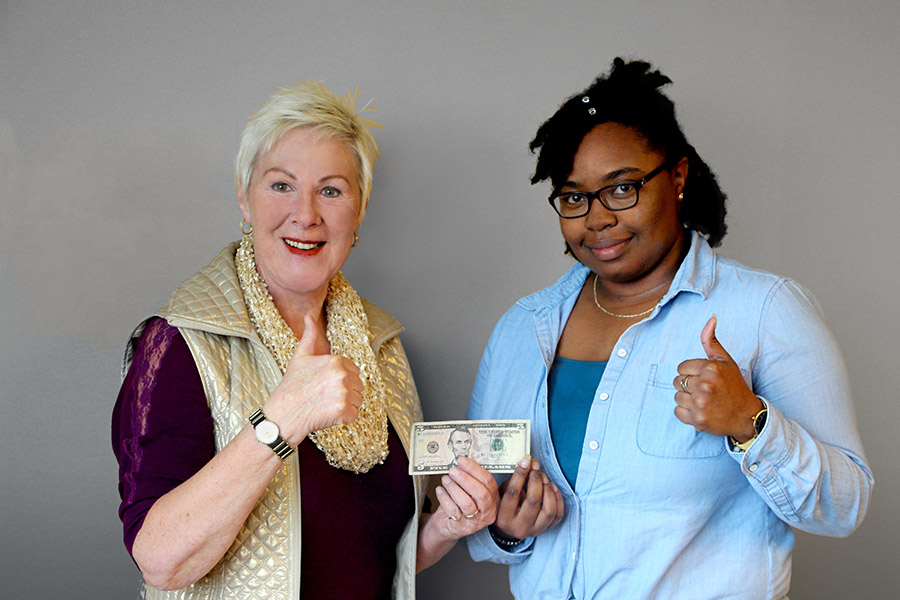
759 421
268 433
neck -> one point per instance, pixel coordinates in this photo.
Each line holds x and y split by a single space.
294 308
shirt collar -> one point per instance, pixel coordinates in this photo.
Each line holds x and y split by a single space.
697 271
551 297
695 275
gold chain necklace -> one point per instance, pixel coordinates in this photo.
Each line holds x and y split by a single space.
356 446
618 316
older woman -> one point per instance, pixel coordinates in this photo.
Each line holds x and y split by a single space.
265 375
692 410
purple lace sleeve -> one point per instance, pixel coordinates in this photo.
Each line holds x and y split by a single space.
162 430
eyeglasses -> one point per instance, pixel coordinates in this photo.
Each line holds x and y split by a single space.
619 196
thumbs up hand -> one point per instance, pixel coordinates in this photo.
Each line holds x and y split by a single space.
318 389
312 343
711 393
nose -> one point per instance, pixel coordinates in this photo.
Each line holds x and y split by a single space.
306 210
599 217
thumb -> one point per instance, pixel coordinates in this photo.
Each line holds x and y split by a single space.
714 350
311 343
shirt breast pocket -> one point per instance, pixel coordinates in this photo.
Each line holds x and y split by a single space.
659 432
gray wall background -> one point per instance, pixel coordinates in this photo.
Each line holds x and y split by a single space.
119 122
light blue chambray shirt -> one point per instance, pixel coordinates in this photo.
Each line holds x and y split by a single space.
660 510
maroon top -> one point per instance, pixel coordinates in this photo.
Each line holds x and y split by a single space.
163 433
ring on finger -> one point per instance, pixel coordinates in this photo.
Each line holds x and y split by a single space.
473 515
684 383
452 518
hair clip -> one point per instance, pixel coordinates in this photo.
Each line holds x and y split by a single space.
591 110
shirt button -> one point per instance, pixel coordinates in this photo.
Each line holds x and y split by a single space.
604 396
622 352
753 467
593 445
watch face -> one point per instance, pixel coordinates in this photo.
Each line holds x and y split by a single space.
267 432
760 422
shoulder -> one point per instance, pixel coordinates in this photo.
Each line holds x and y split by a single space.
211 299
209 303
148 344
758 309
517 324
382 325
550 297
534 306
761 287
710 275
156 348
728 269
151 341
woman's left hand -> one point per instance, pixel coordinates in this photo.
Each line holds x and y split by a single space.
531 503
712 395
468 500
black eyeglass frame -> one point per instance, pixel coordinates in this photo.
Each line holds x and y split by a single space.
595 195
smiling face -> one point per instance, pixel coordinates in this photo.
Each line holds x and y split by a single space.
303 202
626 245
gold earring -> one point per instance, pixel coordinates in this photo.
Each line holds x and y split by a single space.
680 196
245 231
355 240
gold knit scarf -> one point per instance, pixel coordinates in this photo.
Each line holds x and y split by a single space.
356 446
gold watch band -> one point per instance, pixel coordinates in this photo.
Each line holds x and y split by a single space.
744 446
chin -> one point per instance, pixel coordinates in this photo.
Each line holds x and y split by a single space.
301 283
622 274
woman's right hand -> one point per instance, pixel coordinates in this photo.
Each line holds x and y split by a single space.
530 503
318 389
467 502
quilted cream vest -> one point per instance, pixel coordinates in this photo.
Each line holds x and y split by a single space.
238 375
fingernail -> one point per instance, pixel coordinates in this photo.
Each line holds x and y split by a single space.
546 479
526 460
445 480
438 490
454 471
535 465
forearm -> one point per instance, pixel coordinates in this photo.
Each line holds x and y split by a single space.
433 544
188 530
810 467
811 485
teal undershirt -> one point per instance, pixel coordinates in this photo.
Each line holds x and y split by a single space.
570 389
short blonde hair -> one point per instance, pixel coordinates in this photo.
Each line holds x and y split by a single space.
309 104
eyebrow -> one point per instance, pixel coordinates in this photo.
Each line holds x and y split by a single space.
335 176
280 170
607 177
292 176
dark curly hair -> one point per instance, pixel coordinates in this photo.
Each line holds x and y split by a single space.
630 95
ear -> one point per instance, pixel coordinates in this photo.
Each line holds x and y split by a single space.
244 204
679 174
